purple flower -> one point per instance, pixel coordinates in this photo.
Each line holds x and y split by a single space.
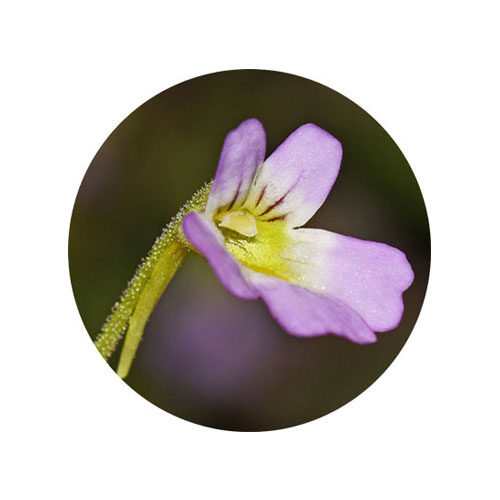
313 281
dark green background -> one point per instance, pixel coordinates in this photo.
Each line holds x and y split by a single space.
207 356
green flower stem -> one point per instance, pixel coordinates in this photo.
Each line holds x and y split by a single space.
132 311
163 272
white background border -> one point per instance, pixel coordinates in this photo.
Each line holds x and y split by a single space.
427 71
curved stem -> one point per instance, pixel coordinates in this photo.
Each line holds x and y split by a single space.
131 312
162 273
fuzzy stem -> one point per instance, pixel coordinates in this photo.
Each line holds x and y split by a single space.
161 275
147 285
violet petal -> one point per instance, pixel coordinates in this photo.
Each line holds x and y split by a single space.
243 151
368 276
305 313
296 179
207 239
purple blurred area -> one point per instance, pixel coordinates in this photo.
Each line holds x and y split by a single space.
206 356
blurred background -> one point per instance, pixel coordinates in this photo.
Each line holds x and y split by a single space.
207 356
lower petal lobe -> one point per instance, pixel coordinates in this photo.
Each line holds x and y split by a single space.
305 313
368 276
207 239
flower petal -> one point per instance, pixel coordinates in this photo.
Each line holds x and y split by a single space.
243 151
296 179
305 313
368 276
203 234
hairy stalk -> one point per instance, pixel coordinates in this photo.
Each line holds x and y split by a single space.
131 312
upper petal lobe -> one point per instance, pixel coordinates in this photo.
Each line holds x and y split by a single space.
296 179
243 151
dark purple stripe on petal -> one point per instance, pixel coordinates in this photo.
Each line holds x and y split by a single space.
269 208
260 196
235 196
279 217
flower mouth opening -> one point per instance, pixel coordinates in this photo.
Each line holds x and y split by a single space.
258 244
240 221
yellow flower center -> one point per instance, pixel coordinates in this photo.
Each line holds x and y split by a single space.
258 244
241 221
